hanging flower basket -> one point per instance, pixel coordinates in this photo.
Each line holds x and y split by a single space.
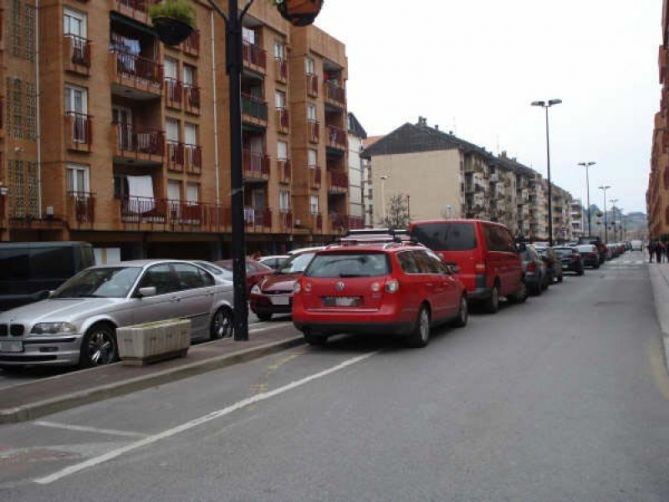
173 20
299 12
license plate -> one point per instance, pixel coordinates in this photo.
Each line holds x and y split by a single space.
280 300
11 346
341 301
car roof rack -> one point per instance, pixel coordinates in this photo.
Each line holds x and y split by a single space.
376 235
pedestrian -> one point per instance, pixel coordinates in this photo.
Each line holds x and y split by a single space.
659 251
651 250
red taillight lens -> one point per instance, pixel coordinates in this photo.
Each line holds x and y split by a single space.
479 268
532 267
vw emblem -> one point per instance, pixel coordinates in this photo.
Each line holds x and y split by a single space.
339 286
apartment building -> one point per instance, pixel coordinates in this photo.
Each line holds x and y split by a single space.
356 172
657 195
578 223
115 139
447 177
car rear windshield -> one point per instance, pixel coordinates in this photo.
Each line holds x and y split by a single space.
349 265
446 236
564 251
587 248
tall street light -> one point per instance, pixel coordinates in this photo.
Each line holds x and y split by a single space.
587 166
383 197
606 221
613 210
546 105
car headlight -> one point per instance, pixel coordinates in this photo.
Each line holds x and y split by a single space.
255 290
53 328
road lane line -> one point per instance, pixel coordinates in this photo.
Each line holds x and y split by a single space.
92 462
83 428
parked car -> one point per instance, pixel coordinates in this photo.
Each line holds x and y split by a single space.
534 270
274 262
273 295
596 241
77 324
636 245
255 271
380 288
571 259
589 255
553 264
29 270
490 266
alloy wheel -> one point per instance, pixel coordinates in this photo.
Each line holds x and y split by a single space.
100 348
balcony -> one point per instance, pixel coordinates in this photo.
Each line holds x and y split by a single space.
281 70
80 209
191 45
77 54
338 223
338 182
173 215
135 73
192 99
255 58
258 220
78 132
175 156
337 138
173 93
143 146
134 9
315 177
254 110
286 222
256 166
312 85
193 158
356 222
314 131
335 95
317 223
282 120
285 171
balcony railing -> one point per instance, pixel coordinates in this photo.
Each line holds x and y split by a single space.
131 143
139 69
312 84
193 155
338 181
192 44
336 93
317 221
175 156
339 222
254 55
258 219
254 107
286 221
77 53
174 92
78 131
315 177
356 222
314 130
81 207
136 9
285 170
174 214
282 119
192 99
281 69
337 138
256 165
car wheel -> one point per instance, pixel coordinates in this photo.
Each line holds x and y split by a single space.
463 313
521 295
536 289
580 271
596 266
491 305
221 324
264 317
560 279
420 334
98 346
314 339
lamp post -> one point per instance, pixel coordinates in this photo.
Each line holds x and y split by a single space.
604 188
613 210
546 105
587 166
383 197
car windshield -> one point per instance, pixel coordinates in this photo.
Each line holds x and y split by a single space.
586 249
109 282
297 264
348 265
563 251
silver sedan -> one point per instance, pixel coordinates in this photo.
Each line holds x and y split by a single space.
77 324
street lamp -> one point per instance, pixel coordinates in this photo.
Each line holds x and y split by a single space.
587 166
606 223
615 232
546 105
383 197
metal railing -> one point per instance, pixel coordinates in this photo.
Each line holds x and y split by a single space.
192 44
175 155
339 180
286 220
78 50
81 207
138 5
337 137
137 67
193 154
312 84
150 141
256 165
285 170
314 130
174 92
281 67
177 215
254 107
283 118
258 219
192 98
335 92
254 55
79 130
315 176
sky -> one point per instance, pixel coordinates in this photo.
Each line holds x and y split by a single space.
474 66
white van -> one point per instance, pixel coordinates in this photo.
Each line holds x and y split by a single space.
637 245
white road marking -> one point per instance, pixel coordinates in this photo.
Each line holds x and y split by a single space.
274 325
197 422
83 428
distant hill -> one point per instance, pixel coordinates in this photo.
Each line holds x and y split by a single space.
635 223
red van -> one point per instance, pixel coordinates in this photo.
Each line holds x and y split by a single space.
485 252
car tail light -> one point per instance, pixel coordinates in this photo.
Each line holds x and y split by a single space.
376 287
307 287
531 267
392 286
479 268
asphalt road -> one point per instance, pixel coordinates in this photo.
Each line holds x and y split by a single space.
563 398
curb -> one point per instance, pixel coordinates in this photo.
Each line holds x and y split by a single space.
100 393
660 284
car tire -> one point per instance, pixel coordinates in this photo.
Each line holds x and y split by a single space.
560 279
596 266
420 334
98 347
314 339
491 304
521 295
463 314
264 317
222 324
536 289
580 271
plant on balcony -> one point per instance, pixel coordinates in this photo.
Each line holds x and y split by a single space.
173 20
299 12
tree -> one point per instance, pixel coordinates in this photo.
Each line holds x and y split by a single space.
397 213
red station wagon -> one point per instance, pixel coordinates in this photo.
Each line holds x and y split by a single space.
490 266
378 288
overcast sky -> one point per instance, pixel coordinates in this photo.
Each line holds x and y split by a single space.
474 66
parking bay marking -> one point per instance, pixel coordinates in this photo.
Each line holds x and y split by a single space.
83 428
92 462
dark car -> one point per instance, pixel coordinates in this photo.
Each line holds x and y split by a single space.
534 270
255 271
571 259
596 241
30 270
589 255
553 264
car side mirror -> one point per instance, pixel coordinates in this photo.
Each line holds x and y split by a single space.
453 268
147 292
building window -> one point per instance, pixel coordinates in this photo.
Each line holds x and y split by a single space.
279 50
31 111
312 158
190 75
74 23
15 107
192 194
249 35
77 178
284 201
309 66
313 204
190 134
16 28
282 150
174 190
311 112
280 99
23 189
29 29
171 68
172 130
76 100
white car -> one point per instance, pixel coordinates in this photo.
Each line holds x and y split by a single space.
637 245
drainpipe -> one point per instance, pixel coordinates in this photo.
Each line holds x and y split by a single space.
37 111
213 82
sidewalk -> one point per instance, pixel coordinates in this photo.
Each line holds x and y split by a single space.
659 278
35 399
